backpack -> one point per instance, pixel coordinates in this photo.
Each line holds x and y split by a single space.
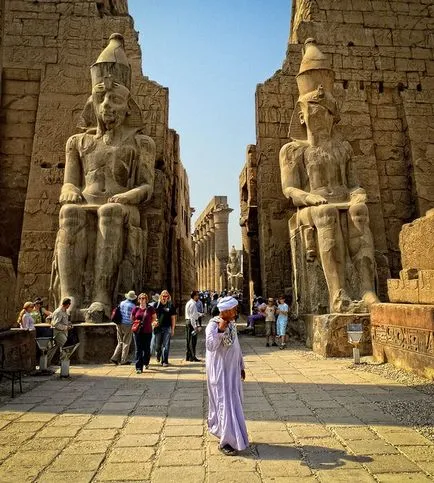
116 315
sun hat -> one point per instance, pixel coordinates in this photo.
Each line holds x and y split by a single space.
131 295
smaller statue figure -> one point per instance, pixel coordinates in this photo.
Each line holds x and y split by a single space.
233 270
318 175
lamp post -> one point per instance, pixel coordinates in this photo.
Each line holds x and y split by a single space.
45 345
65 356
355 333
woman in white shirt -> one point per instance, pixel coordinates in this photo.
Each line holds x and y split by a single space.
25 320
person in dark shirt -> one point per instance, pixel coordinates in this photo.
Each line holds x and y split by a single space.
165 328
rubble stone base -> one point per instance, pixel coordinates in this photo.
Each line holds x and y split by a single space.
327 334
97 343
19 348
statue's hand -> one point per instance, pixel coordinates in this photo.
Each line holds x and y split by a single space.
70 197
358 196
122 198
315 200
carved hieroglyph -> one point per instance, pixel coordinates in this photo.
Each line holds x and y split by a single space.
109 174
319 176
233 269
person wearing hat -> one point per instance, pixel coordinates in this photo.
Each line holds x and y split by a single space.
25 320
225 373
39 313
124 334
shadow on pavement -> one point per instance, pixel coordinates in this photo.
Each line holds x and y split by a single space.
319 457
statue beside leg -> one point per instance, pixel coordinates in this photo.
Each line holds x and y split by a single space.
233 270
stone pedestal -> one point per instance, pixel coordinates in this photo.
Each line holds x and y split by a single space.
19 348
97 343
327 334
403 334
7 293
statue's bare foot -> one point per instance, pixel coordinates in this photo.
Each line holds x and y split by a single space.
96 312
343 304
370 298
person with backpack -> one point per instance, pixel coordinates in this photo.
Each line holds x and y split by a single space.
165 327
143 319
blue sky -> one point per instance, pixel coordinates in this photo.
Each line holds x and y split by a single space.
211 55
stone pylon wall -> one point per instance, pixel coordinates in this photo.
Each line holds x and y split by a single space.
46 51
382 53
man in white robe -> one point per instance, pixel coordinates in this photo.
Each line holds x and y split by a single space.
225 373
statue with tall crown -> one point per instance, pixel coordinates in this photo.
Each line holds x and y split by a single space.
233 270
330 230
109 176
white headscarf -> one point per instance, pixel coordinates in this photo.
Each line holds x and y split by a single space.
227 303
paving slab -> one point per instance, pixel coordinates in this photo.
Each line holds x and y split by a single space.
403 478
66 462
309 419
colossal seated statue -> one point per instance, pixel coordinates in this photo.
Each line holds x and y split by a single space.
109 175
319 176
233 270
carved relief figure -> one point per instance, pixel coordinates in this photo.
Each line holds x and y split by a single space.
109 173
318 175
112 7
233 270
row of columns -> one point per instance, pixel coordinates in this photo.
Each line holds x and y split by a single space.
211 246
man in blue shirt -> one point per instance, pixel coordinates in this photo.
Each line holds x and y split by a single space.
124 333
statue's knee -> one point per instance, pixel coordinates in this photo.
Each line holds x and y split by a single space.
71 216
326 216
111 213
359 214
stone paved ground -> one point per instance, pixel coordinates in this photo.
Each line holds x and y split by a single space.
308 419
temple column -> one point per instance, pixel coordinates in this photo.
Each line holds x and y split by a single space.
201 257
196 258
198 242
221 219
211 279
205 257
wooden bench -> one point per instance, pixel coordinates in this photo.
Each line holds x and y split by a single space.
11 372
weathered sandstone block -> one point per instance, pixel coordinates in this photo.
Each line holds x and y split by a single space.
403 334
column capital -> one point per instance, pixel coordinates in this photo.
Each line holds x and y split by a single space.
221 215
210 220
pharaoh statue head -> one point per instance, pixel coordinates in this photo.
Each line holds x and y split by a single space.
111 73
315 81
